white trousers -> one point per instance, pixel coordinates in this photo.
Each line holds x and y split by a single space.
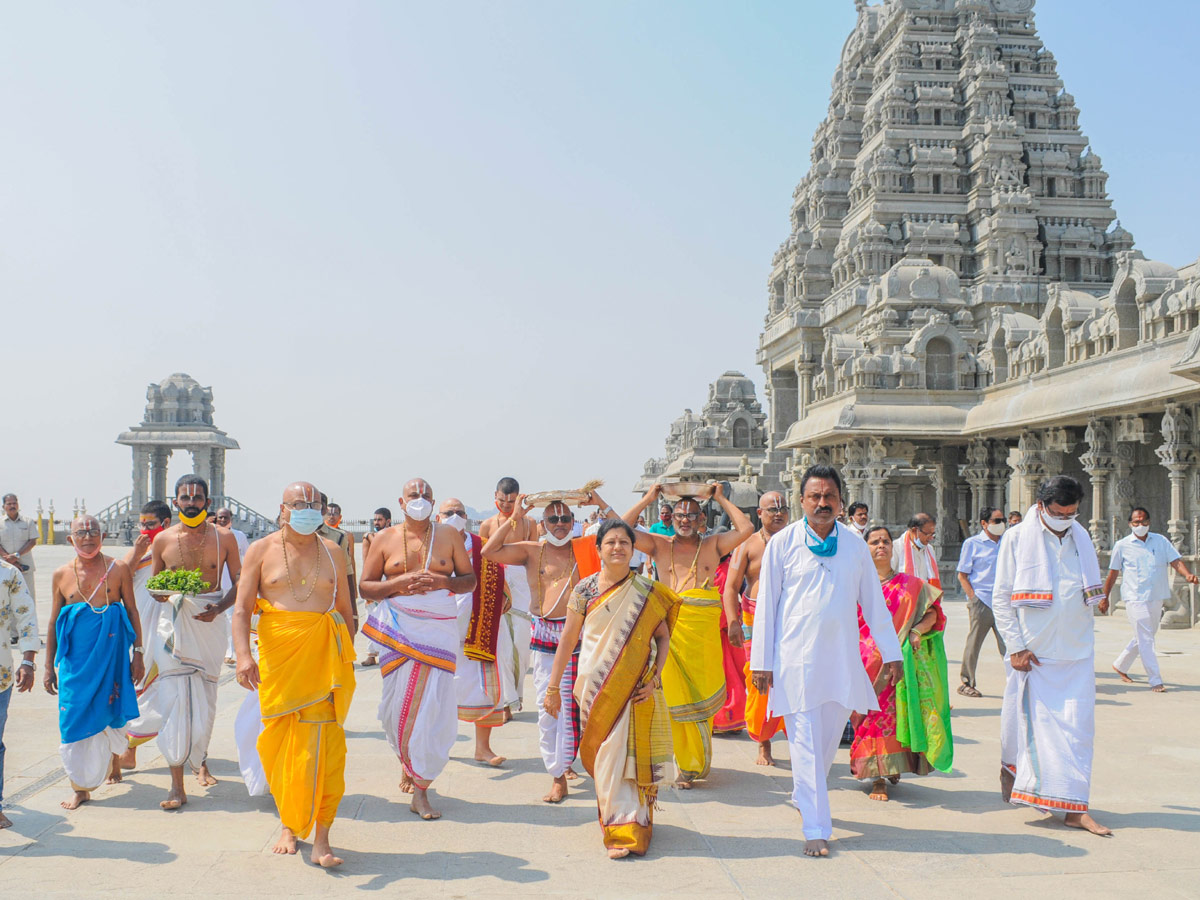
88 762
813 736
1145 618
556 737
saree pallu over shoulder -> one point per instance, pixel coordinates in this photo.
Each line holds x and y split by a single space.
487 605
621 664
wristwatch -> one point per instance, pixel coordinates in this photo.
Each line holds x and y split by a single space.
28 662
141 650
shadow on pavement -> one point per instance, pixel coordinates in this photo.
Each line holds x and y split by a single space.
46 830
388 868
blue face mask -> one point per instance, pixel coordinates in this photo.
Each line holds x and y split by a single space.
305 521
819 547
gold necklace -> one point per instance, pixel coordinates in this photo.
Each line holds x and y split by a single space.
690 575
404 537
183 556
313 572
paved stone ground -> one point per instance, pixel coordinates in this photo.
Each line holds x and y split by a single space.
735 836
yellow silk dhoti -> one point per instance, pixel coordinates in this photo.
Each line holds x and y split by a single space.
694 679
306 660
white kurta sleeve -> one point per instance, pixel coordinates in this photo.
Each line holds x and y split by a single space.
875 612
1006 616
770 589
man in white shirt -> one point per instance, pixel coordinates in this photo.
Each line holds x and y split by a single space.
18 536
1142 560
913 553
977 575
814 577
858 517
224 518
1047 577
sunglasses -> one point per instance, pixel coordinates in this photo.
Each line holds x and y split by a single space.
559 520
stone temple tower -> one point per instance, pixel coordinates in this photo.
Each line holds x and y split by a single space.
950 184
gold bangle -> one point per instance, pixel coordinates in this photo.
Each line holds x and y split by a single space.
553 690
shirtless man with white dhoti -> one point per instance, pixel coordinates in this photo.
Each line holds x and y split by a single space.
188 648
517 619
552 570
413 572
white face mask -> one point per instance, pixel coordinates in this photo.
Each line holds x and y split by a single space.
996 528
1140 530
558 542
419 510
1055 523
455 521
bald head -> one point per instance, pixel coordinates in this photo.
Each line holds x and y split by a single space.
451 506
771 500
301 491
84 522
416 489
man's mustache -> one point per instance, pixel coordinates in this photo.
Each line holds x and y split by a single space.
827 509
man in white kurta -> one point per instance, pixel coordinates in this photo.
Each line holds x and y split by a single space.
913 553
815 576
1142 559
1046 577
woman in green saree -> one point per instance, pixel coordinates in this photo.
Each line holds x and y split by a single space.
911 731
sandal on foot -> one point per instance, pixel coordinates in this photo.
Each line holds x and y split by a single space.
967 691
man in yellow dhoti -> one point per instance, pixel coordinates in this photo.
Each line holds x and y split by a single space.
305 671
624 624
694 677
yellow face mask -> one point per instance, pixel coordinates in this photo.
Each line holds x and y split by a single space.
193 521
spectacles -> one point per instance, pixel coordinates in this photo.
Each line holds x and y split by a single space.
774 511
687 516
300 504
559 520
90 532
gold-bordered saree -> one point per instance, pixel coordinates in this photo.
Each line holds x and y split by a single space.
625 746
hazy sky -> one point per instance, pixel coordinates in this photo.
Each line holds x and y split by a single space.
459 240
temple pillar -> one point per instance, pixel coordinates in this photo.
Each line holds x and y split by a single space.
158 472
804 376
1098 461
139 494
1031 465
876 471
217 481
1001 475
1177 454
978 475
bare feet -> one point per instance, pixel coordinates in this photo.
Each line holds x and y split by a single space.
558 791
1125 678
322 853
5 821
129 758
1158 688
572 775
76 800
286 843
114 771
230 661
483 747
420 806
879 790
406 784
764 754
371 660
618 853
816 848
1007 780
1087 823
204 776
177 796
684 782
